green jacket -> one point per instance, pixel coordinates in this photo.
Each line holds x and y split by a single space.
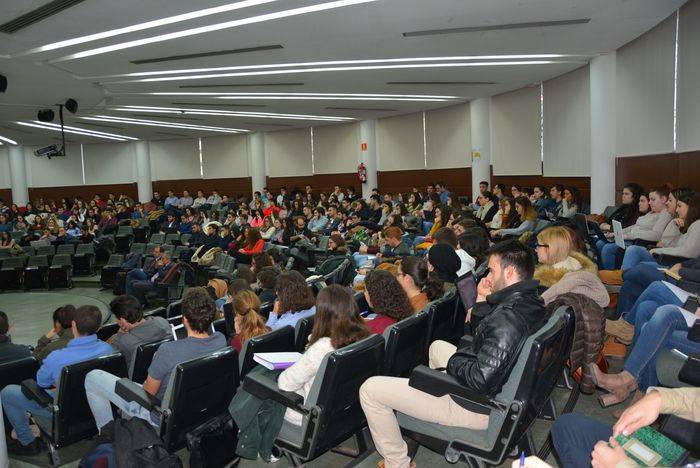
259 421
46 346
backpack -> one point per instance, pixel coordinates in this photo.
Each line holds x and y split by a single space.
137 445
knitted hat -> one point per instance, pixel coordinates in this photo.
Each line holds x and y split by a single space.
445 261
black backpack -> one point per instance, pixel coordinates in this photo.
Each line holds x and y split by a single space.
137 445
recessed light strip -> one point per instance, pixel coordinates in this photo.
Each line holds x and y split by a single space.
183 110
157 123
86 130
212 27
7 140
336 69
334 95
146 25
340 62
54 129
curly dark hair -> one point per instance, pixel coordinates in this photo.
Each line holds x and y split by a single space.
386 295
293 293
199 309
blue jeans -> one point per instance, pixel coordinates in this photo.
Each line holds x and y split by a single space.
664 328
634 255
99 389
427 226
137 274
653 297
16 407
635 281
574 437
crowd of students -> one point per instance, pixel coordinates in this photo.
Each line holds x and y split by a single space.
409 249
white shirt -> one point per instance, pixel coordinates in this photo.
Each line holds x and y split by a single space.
468 262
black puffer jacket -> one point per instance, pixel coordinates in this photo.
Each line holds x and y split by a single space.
516 312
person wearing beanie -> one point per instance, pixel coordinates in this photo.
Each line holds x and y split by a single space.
445 263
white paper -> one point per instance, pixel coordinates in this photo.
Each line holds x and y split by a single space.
683 296
619 238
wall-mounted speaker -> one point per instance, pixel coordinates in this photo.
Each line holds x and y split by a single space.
3 83
45 115
72 106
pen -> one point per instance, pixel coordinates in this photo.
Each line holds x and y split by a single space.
522 458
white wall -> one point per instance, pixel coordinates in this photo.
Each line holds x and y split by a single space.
400 144
109 163
336 148
515 132
567 125
174 159
288 153
448 137
644 92
689 77
4 168
54 172
225 157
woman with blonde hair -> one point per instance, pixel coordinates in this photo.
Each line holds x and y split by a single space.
247 320
528 219
563 269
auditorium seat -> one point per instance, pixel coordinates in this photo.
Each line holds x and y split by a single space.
65 249
47 250
84 260
123 239
61 272
275 341
157 238
406 344
138 248
36 273
441 319
12 273
302 330
72 419
138 367
172 239
110 269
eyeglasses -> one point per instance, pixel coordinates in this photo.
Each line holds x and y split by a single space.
541 245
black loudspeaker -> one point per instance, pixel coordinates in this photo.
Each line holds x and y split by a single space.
72 106
3 83
45 115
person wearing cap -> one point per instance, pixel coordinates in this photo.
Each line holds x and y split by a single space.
514 312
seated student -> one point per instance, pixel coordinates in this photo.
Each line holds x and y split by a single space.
416 281
218 290
392 248
260 261
387 299
505 215
514 312
8 350
528 219
443 263
649 227
488 207
139 287
197 314
267 277
253 244
134 328
59 335
442 216
541 201
84 346
448 236
562 269
140 274
570 204
247 321
295 300
580 441
319 220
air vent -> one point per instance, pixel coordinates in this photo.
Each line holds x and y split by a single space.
446 83
377 109
239 85
172 58
215 104
36 15
173 134
170 117
497 27
91 124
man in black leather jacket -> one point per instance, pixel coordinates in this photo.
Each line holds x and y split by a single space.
512 310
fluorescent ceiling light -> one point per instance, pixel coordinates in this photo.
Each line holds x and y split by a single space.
86 133
213 27
336 69
86 130
329 98
158 123
338 62
146 25
219 112
313 96
7 140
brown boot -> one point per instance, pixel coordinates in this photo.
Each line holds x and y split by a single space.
620 329
613 349
619 385
613 277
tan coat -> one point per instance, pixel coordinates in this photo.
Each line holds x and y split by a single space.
577 274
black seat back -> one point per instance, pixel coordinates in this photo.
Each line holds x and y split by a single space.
278 340
339 392
14 372
107 331
302 330
173 309
220 326
406 343
74 421
466 287
138 368
200 390
441 318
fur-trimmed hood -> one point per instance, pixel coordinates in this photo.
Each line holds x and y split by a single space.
548 275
